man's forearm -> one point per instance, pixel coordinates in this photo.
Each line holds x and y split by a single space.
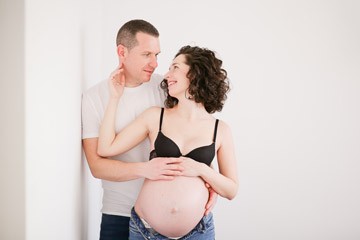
116 170
110 169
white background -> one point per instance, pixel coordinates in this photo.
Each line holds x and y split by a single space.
294 68
294 109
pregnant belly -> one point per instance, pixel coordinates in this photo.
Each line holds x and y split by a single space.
173 208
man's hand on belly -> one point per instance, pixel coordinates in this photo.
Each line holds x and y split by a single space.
163 168
212 199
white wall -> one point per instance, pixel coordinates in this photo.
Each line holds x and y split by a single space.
294 69
53 77
295 76
41 79
93 73
12 122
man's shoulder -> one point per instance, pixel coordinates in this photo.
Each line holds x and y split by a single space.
99 88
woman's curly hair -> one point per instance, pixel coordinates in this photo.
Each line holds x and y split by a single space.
208 81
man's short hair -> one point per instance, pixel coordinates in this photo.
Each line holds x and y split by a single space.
127 33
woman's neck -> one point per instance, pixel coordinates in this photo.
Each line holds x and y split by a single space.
190 109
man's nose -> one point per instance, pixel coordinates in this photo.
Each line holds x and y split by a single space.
153 62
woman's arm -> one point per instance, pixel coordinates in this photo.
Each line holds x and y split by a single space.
224 183
110 144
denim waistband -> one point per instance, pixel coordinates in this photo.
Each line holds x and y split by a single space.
149 232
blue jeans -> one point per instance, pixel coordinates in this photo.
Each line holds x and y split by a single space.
114 227
204 230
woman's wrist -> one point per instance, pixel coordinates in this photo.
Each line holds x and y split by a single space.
202 169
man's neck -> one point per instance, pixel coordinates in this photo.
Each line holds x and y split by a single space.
132 84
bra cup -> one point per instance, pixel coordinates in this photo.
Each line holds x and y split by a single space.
203 154
165 147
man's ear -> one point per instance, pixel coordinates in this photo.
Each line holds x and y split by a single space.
122 52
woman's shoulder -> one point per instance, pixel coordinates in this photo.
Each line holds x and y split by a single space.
224 129
151 112
150 117
222 124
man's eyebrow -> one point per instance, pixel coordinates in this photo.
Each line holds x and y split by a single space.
146 51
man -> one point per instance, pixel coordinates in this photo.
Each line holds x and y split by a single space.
122 176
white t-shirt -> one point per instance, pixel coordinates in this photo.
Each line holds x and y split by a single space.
120 197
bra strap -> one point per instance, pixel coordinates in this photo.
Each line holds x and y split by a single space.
161 118
215 130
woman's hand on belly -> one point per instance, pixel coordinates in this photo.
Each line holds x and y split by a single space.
163 168
191 168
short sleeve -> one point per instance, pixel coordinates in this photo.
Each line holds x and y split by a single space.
90 119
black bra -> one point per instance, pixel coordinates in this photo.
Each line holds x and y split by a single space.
165 147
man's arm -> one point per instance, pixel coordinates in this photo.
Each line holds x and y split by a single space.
119 171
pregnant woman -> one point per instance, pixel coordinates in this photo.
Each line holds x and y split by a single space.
196 86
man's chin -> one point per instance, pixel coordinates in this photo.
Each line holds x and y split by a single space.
147 79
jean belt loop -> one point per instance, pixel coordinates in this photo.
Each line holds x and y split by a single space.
202 225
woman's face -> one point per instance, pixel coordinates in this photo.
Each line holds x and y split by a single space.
177 81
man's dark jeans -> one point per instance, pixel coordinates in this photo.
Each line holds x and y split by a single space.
114 227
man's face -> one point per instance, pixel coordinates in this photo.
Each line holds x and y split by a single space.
140 62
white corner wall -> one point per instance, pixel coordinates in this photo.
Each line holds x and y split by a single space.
12 122
53 80
40 93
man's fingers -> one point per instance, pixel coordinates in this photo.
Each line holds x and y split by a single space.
172 173
166 177
211 203
173 160
175 167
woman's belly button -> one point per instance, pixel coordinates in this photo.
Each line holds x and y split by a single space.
174 210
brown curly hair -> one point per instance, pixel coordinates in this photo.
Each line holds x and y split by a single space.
208 81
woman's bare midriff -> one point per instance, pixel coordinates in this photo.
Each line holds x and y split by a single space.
172 208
